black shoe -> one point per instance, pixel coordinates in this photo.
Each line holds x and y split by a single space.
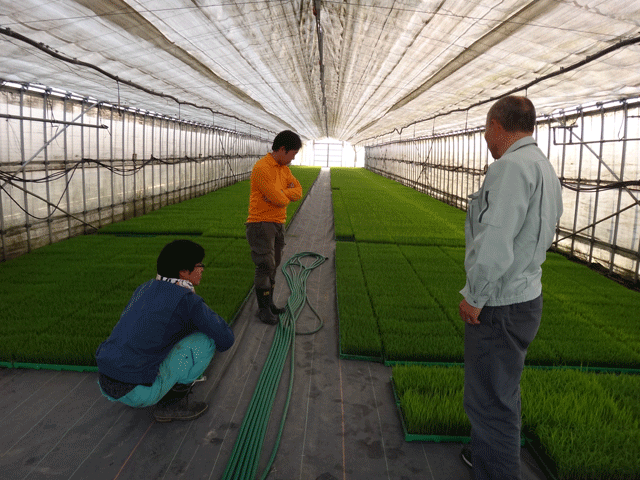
264 304
169 408
466 456
183 410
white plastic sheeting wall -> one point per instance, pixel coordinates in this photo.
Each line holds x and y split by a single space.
70 165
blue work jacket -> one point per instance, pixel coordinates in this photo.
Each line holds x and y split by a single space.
158 316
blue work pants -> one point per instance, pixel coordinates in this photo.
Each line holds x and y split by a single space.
494 354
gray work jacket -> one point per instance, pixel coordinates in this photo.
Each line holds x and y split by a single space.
510 225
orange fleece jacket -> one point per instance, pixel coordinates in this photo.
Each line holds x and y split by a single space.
273 186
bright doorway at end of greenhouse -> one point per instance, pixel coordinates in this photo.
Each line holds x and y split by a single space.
329 152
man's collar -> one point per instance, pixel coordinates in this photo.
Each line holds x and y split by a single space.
524 141
272 160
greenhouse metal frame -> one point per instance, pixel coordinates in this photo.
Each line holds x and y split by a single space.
72 164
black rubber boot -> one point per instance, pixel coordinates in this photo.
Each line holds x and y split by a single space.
175 405
275 310
264 304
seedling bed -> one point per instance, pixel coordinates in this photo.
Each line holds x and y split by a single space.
411 291
583 425
74 291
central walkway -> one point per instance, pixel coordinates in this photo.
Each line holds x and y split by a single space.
342 423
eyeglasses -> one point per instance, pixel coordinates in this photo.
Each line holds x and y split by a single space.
201 265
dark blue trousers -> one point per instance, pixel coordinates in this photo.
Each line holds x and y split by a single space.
494 354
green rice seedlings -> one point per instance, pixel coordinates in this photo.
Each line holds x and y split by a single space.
587 424
360 339
95 277
218 214
455 254
422 416
409 347
341 221
431 400
58 350
11 344
359 333
392 213
542 353
624 390
412 315
224 297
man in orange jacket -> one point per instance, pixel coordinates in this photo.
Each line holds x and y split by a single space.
273 186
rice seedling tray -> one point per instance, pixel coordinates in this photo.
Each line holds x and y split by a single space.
433 438
413 437
364 358
577 424
46 366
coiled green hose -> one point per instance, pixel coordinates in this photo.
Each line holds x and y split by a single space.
243 463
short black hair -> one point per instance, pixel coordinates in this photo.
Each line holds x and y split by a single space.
515 114
287 139
179 255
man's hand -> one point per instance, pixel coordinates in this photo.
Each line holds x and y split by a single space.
469 313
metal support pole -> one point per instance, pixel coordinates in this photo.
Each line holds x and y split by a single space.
98 169
153 164
46 165
111 160
27 221
122 159
66 164
622 162
134 159
84 178
597 199
577 206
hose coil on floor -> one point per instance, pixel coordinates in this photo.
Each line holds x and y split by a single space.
244 461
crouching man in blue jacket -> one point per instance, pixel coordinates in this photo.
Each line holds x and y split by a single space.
164 340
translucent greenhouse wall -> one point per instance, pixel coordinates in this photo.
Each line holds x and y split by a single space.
595 152
70 165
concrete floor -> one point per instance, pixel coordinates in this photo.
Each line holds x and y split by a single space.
342 422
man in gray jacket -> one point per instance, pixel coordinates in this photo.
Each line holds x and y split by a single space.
511 222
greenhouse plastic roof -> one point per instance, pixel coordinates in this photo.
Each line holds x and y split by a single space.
353 70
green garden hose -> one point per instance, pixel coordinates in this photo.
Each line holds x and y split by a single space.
245 457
